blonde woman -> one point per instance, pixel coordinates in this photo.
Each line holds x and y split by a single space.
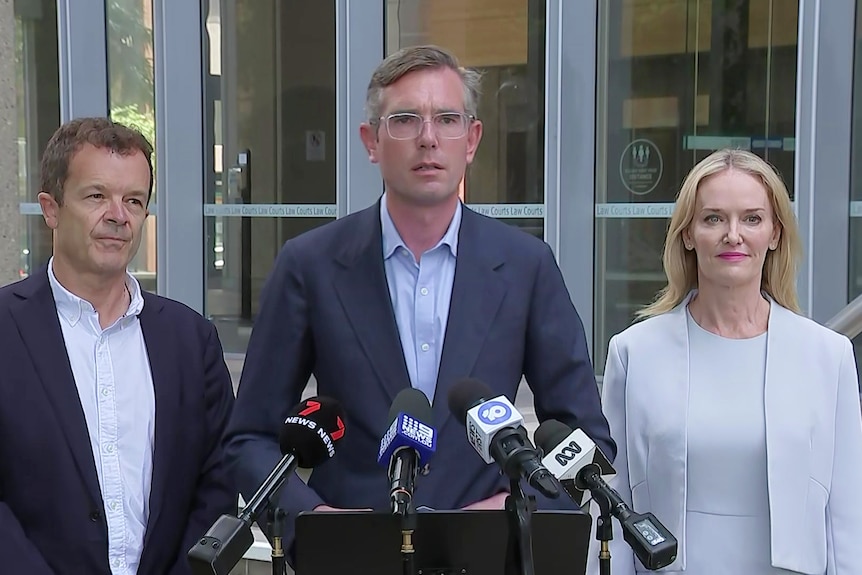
737 419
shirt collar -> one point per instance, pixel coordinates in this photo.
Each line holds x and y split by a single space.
392 239
73 307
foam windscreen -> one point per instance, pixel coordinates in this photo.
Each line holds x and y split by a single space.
465 395
412 402
312 429
550 434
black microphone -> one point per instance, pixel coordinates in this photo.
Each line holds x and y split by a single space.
651 542
566 452
495 430
307 440
407 445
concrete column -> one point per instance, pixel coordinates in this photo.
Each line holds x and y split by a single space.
9 217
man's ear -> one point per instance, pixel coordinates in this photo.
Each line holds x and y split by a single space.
50 209
474 136
368 135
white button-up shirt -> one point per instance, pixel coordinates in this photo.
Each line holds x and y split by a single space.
112 373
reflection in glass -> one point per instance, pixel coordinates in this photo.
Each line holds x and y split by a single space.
677 80
37 86
270 123
505 40
854 289
132 101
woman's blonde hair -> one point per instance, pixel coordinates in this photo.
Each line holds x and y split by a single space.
680 265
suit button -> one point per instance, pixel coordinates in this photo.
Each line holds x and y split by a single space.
95 516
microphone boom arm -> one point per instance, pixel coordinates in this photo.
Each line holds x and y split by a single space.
222 547
268 489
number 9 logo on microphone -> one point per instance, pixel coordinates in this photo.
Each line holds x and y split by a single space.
494 411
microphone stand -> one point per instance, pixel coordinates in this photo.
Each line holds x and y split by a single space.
604 528
402 505
227 540
652 543
519 508
275 517
604 533
408 526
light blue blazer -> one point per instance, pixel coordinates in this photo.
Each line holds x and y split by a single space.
813 438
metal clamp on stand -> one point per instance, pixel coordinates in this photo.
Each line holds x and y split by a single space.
408 552
604 534
275 523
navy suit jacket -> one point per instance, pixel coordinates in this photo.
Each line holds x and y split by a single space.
52 519
326 311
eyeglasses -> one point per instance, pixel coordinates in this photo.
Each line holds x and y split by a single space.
408 126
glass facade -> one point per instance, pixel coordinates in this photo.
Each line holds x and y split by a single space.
37 86
594 111
270 116
505 41
854 287
855 244
131 100
679 79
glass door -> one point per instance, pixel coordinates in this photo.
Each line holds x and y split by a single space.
855 244
677 80
505 40
37 106
270 110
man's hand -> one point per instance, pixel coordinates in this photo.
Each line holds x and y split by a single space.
494 502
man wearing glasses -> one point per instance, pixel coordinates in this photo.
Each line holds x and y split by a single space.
417 290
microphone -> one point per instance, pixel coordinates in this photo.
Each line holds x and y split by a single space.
495 430
307 439
407 446
651 542
567 453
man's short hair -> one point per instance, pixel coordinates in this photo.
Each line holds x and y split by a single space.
414 58
100 132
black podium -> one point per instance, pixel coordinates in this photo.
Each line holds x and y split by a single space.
446 543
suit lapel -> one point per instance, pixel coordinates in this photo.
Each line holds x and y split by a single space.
162 352
658 372
364 295
671 422
39 326
477 293
788 424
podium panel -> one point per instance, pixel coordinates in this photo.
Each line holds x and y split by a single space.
446 543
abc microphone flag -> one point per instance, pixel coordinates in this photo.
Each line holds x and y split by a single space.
568 452
582 468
